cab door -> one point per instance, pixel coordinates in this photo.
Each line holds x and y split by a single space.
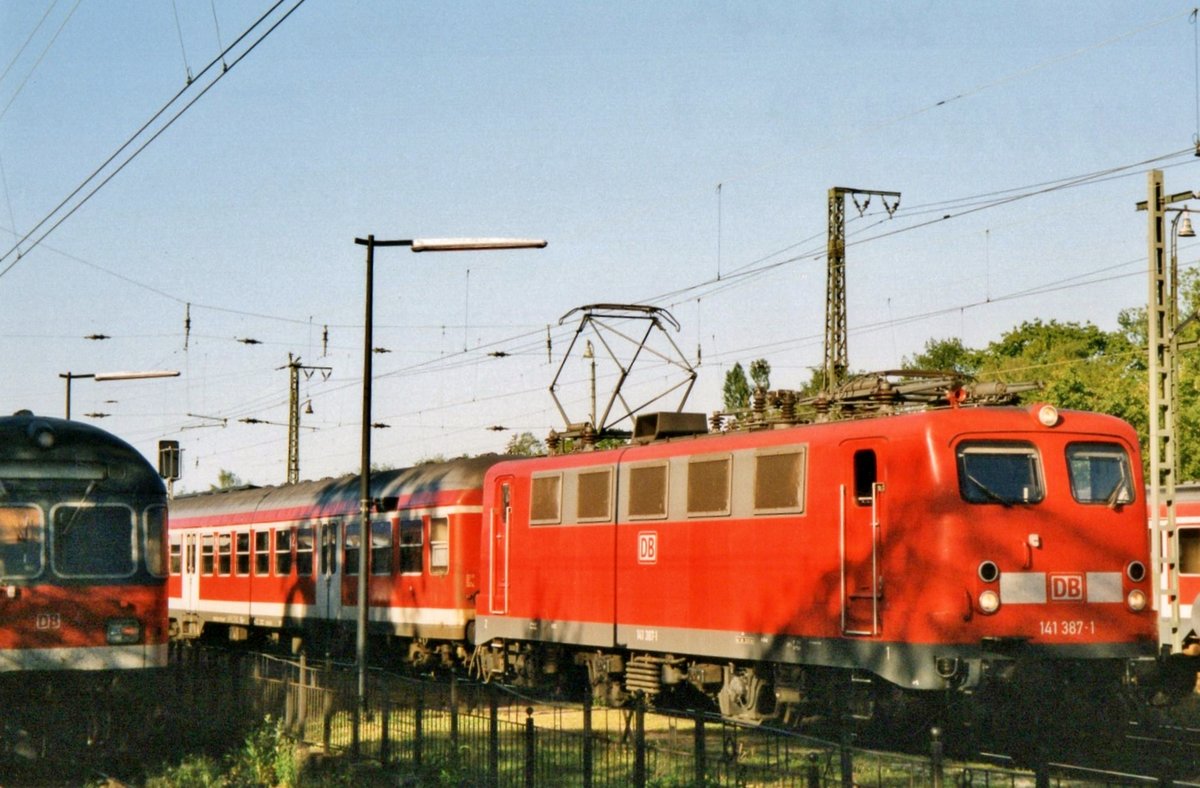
498 524
863 513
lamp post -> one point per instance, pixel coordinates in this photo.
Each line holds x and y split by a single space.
103 376
364 559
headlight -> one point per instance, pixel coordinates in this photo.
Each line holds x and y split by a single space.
989 601
1136 600
123 631
1047 415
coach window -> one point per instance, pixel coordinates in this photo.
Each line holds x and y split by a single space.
411 543
21 535
224 553
206 554
439 545
78 530
648 491
243 553
779 481
283 552
545 507
708 487
350 561
176 559
1189 551
999 472
381 547
1099 473
156 530
262 553
304 551
593 501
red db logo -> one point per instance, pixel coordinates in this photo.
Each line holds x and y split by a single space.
1066 588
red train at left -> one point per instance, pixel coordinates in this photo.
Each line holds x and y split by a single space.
83 606
939 552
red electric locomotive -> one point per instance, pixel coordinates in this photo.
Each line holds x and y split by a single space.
774 568
284 560
82 564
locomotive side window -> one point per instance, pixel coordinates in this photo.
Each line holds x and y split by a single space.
156 530
648 491
1003 472
708 486
545 508
283 552
21 535
350 559
93 540
304 552
594 499
1099 473
1189 551
262 553
381 547
779 481
439 545
206 554
411 542
224 553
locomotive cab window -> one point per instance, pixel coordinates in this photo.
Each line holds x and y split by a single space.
21 535
1000 472
93 540
1100 473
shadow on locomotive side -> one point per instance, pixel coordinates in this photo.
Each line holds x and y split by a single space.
925 559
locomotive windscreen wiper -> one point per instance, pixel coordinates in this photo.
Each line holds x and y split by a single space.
989 492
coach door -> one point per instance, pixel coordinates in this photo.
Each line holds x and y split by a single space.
500 516
190 576
863 499
329 586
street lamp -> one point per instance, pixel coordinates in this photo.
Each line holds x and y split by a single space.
364 554
103 376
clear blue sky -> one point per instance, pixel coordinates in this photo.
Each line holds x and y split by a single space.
604 128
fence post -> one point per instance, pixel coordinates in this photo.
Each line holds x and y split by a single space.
814 770
454 714
327 720
530 748
701 743
936 750
385 746
847 759
493 739
639 738
587 739
419 731
302 701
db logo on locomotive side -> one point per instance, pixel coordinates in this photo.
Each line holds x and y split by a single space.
1067 588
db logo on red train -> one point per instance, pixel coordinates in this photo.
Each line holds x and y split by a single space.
1067 588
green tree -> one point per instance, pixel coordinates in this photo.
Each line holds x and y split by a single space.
737 390
949 355
525 445
760 374
226 480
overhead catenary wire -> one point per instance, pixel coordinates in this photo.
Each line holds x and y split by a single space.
60 213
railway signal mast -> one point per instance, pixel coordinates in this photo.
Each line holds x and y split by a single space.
1163 361
836 358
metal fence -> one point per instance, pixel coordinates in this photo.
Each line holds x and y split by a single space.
454 732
